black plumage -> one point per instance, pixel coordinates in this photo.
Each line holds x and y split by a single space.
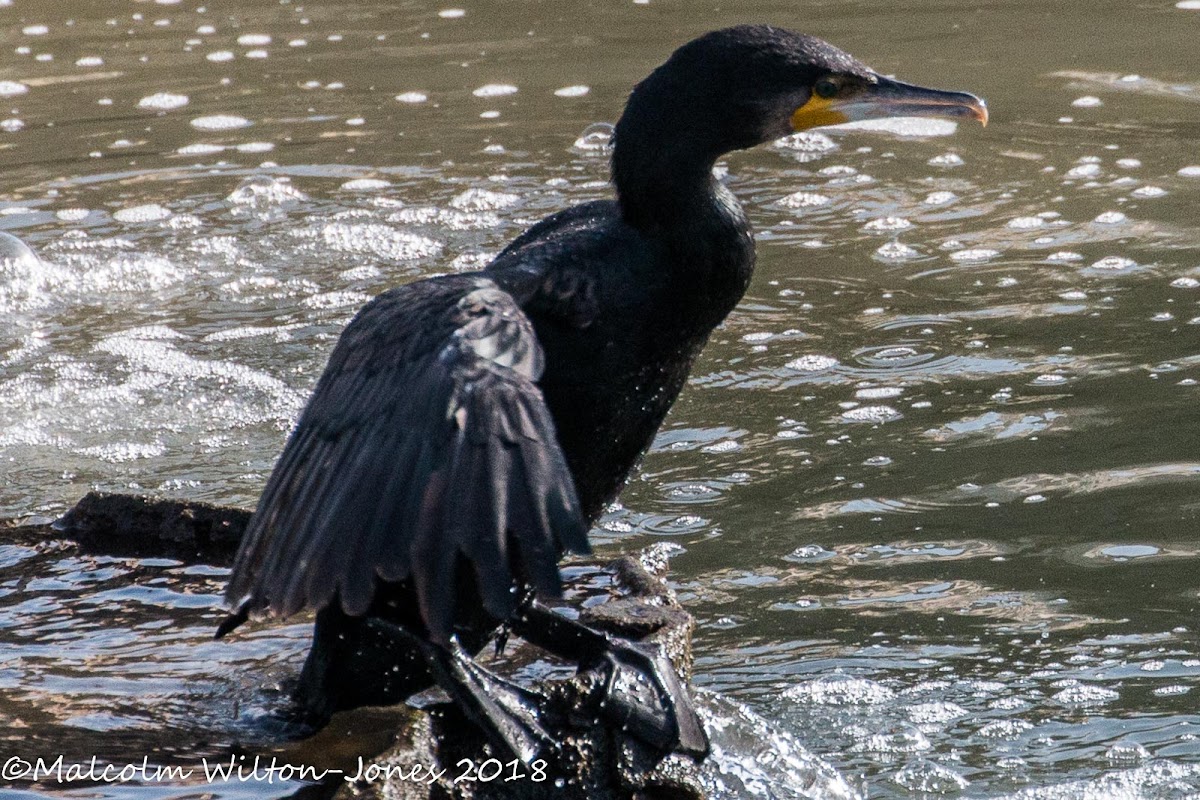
426 440
469 428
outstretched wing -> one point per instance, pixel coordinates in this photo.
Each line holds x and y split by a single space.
425 442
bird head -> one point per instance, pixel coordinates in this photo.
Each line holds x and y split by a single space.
739 87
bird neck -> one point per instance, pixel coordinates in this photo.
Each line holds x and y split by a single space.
662 163
666 190
669 194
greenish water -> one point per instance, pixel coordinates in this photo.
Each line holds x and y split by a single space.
934 482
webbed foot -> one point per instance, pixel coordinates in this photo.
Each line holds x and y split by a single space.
643 695
507 713
641 691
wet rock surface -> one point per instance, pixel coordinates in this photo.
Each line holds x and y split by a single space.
122 524
595 757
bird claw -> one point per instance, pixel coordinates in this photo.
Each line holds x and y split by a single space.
642 694
509 714
641 691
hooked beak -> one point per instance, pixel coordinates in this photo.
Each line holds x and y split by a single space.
884 98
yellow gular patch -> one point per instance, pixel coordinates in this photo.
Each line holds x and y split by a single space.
816 112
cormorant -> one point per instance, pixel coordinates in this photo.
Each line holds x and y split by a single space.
469 428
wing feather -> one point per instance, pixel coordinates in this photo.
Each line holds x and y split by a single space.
426 443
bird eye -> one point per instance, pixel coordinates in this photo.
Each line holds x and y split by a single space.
826 88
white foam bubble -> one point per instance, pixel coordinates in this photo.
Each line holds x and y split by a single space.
448 218
872 414
336 299
200 149
804 200
14 253
924 777
974 254
264 191
897 740
12 88
1114 263
254 39
149 352
163 101
220 122
753 759
878 392
840 690
807 145
572 91
896 251
412 97
383 241
946 160
483 200
121 452
365 185
1005 729
1085 695
495 90
812 363
150 212
888 225
1084 171
939 198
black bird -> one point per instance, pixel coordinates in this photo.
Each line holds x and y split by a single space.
469 428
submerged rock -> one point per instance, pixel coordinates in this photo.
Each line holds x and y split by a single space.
122 524
597 758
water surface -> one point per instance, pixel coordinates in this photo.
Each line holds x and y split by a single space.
934 482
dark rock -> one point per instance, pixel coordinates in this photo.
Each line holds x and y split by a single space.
130 525
596 760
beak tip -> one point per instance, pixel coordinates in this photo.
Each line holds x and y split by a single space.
981 113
